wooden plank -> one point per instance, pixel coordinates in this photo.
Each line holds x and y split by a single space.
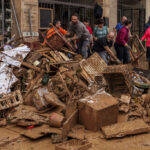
31 66
126 128
69 123
64 56
25 5
30 87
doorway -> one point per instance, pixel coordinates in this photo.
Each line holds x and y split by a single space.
135 11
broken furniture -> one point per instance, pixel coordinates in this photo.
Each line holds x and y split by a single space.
119 78
74 145
97 111
11 100
138 50
93 66
57 40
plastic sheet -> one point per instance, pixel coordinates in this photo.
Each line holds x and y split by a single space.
7 78
15 56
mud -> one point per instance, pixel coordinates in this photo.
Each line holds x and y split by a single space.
139 142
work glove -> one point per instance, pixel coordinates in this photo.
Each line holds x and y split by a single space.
129 47
119 62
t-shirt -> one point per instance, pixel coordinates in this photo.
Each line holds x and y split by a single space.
89 29
99 33
80 30
119 26
101 43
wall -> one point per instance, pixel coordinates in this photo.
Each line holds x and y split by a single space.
22 10
110 11
147 9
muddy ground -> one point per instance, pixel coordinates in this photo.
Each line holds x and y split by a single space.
18 142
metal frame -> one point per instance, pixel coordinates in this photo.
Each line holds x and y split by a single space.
5 9
127 8
66 3
2 19
71 7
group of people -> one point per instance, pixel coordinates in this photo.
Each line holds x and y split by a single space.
100 39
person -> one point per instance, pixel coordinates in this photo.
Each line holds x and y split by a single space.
78 32
147 36
121 24
102 47
51 31
121 44
100 30
147 25
57 24
86 23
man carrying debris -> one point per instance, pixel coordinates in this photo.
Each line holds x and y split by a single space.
78 32
103 45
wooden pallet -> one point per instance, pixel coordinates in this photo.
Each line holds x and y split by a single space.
11 100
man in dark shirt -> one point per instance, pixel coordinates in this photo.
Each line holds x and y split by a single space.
103 45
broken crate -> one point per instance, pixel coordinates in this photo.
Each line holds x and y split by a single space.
11 100
118 78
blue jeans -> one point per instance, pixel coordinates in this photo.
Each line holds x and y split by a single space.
105 56
83 47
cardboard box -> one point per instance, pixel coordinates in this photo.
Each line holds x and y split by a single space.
97 111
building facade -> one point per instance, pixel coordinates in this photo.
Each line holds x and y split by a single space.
36 15
136 10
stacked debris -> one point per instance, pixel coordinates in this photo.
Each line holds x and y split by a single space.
49 89
41 87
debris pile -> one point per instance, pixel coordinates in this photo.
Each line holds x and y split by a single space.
49 89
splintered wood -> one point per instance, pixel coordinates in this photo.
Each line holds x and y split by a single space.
126 128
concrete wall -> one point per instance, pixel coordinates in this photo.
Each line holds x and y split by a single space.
110 11
147 9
